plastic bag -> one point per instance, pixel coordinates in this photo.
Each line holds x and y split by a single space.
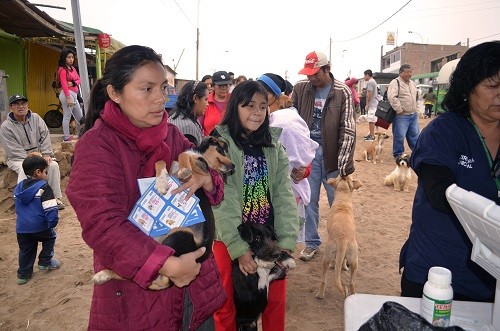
393 316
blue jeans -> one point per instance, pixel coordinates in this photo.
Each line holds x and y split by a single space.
404 126
316 177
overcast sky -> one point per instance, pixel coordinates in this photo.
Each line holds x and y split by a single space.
258 36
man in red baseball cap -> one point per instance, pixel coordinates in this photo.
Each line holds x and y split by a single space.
327 106
314 62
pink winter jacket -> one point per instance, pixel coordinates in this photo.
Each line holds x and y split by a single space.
66 76
355 97
102 190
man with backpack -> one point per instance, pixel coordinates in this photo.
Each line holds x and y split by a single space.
402 95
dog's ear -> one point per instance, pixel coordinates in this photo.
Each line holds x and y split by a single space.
199 165
333 181
245 232
274 236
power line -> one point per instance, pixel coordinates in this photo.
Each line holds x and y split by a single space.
341 41
183 13
496 34
458 12
462 5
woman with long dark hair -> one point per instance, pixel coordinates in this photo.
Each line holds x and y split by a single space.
191 103
69 81
126 133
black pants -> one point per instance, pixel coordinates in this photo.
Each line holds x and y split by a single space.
428 109
207 325
28 246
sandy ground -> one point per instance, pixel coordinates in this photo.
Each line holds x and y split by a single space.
60 300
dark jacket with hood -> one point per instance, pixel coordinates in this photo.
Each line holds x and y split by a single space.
36 206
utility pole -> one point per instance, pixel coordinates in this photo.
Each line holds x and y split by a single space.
197 38
80 51
330 56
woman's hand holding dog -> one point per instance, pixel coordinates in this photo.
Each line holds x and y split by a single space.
247 264
182 270
195 182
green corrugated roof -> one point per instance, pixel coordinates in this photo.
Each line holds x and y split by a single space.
69 28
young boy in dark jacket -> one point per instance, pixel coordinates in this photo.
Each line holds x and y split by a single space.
36 218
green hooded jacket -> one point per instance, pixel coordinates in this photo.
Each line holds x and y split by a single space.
228 215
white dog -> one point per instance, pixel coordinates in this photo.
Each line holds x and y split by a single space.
401 175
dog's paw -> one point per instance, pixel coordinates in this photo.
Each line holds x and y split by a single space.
161 282
102 276
162 185
289 263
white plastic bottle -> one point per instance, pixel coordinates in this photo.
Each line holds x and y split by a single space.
435 305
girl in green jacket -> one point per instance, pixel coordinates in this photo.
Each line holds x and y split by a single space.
258 191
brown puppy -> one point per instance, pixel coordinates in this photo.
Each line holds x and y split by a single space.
211 153
284 101
374 151
341 245
400 177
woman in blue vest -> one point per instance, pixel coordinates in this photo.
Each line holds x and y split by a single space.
460 146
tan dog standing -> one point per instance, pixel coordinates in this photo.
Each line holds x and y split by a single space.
374 151
341 245
400 177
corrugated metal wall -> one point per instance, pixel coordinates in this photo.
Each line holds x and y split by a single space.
12 61
42 63
31 68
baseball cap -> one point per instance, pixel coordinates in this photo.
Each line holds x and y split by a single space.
221 78
17 97
314 61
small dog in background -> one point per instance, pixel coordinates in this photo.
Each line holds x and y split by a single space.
250 292
400 177
362 119
341 245
373 152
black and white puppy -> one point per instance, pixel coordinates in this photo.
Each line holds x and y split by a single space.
250 292
400 177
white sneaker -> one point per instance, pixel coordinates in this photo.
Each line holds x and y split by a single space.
60 204
307 253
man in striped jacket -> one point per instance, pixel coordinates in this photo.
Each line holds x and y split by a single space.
327 106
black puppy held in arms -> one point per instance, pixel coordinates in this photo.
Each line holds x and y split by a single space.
250 292
187 239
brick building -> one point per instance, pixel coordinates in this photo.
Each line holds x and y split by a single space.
424 58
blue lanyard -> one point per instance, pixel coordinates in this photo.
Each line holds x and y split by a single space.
488 156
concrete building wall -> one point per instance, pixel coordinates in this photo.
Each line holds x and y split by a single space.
424 58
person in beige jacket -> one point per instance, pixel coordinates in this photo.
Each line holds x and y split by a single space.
402 95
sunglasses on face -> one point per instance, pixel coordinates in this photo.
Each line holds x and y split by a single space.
223 86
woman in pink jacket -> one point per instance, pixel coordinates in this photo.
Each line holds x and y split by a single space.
69 81
126 132
351 83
